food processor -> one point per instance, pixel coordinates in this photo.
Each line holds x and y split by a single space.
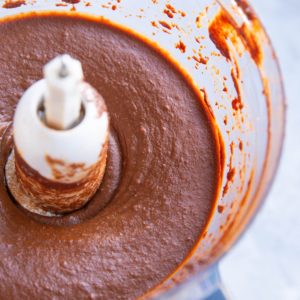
223 47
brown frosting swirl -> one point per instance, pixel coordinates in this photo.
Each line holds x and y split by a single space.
162 173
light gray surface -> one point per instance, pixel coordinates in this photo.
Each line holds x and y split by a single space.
265 264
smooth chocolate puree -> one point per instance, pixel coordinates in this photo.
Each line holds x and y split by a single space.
165 188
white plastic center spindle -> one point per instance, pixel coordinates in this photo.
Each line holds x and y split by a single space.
60 132
63 76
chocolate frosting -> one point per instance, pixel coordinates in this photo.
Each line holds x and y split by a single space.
161 178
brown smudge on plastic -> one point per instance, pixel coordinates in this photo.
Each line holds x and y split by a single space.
221 209
248 11
198 40
62 170
241 146
182 13
226 120
171 8
206 101
223 28
71 1
252 37
13 3
165 24
181 46
200 59
231 224
174 25
231 172
154 24
218 35
61 4
201 16
168 13
237 103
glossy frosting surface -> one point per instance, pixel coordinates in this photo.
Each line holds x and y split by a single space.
161 178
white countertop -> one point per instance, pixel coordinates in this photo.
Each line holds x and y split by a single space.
265 264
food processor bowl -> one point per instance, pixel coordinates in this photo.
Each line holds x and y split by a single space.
224 49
